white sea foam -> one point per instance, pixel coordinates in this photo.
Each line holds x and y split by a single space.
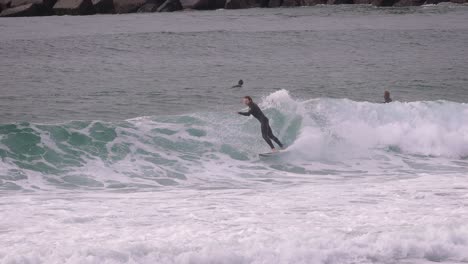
419 220
437 128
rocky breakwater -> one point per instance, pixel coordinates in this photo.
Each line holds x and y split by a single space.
15 8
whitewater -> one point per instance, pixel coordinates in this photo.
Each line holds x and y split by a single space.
360 182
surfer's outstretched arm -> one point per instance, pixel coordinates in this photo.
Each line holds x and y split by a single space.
245 113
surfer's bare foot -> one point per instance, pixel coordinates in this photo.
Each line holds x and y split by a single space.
273 150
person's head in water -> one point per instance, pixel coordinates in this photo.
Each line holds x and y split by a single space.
239 84
247 100
387 97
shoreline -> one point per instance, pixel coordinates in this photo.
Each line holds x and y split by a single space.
28 8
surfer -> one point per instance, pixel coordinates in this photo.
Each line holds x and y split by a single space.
239 84
387 97
254 110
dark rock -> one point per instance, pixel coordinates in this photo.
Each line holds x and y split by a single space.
21 11
103 6
170 6
446 1
220 4
290 3
4 4
240 4
188 3
409 2
435 2
73 7
127 6
383 2
339 2
151 6
234 4
44 7
46 3
193 4
148 8
278 3
313 2
275 3
203 4
362 2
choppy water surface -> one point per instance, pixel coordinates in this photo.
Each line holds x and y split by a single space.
119 141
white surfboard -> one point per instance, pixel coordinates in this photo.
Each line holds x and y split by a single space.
271 154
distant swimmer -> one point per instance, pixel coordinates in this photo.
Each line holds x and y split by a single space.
387 97
254 110
239 84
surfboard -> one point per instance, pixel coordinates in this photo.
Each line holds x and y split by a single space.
271 154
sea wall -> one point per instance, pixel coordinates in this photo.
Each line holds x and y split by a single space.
16 8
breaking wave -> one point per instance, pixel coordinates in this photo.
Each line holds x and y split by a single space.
221 148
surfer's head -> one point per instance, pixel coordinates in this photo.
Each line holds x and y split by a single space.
241 82
247 100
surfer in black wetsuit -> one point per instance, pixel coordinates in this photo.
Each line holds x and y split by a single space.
387 97
254 110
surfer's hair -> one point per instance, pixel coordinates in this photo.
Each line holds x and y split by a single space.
248 98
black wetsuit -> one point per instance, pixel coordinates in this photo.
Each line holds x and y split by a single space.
267 134
388 100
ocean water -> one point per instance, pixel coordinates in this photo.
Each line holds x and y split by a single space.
120 142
